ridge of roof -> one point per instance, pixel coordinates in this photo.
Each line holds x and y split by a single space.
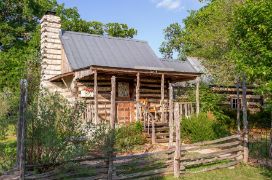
102 36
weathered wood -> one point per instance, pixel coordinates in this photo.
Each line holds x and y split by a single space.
138 97
238 106
171 118
245 122
153 128
213 159
112 125
144 155
177 149
96 120
213 154
213 141
162 99
225 145
22 128
197 96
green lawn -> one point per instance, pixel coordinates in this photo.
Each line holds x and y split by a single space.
240 172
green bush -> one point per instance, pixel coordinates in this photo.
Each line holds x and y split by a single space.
54 130
129 136
7 154
201 128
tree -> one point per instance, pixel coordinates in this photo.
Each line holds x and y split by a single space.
252 42
206 35
252 46
19 35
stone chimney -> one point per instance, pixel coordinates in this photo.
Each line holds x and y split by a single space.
50 46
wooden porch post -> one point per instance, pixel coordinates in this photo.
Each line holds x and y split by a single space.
138 97
162 98
197 96
171 119
112 126
96 120
113 104
245 122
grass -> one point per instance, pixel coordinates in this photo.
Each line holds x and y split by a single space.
241 172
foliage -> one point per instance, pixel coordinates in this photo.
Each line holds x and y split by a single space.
210 129
206 35
54 130
128 136
211 102
7 154
251 41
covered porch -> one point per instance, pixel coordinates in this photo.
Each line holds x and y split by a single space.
135 92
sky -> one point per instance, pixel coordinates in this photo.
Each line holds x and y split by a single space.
149 17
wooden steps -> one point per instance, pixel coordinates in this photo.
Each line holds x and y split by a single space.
161 132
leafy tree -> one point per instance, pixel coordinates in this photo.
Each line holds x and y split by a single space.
252 42
206 34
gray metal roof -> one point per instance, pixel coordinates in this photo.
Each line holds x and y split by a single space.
84 50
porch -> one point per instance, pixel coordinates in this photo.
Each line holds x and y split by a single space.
133 95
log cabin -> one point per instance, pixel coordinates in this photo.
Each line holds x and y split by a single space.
87 67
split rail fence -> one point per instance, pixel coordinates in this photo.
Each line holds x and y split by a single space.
199 157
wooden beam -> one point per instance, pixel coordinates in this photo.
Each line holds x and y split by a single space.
113 103
177 149
112 127
142 71
245 122
96 118
138 97
171 117
197 96
162 99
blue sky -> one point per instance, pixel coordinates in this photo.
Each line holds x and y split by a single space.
149 17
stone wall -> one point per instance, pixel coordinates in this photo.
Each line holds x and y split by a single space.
51 54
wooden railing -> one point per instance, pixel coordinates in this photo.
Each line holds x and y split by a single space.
187 109
148 118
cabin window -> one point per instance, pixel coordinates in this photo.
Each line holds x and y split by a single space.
123 89
234 103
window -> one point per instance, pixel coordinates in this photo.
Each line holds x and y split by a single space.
234 103
123 89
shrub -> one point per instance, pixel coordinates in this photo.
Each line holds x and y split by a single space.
54 130
7 154
128 136
201 128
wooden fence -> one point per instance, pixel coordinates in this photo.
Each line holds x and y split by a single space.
198 157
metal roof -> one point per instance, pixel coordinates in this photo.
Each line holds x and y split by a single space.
84 50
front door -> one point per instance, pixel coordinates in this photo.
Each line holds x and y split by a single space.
125 103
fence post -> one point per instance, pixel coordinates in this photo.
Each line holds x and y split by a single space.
112 126
171 119
21 129
177 150
245 122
